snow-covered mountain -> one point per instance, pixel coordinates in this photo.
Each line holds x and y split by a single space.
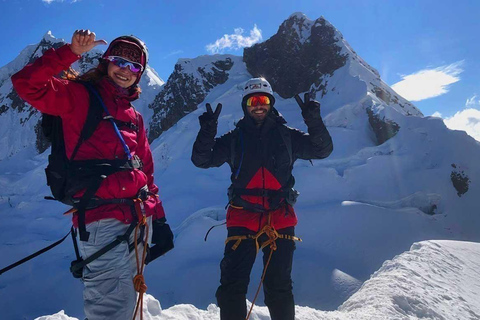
20 123
187 87
433 280
393 179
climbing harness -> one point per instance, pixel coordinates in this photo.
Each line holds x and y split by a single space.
272 235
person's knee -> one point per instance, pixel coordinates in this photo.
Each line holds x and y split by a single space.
277 288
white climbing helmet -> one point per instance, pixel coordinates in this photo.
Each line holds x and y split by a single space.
257 85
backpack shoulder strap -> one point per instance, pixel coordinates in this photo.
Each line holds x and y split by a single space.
233 143
94 116
287 140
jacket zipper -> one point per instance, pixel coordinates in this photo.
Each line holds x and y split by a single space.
263 182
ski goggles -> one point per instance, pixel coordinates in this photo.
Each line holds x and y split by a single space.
258 101
135 67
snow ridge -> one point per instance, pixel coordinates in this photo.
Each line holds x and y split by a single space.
434 280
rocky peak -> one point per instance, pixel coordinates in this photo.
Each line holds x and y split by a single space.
300 54
48 41
297 27
49 38
187 86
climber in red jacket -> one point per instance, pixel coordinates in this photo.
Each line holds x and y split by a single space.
109 291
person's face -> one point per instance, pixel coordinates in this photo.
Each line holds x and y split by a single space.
259 109
123 77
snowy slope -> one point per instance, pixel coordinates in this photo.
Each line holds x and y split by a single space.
365 204
433 280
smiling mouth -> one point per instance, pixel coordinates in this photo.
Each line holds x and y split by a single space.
121 77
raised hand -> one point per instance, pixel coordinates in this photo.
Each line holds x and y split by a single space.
209 119
310 108
83 41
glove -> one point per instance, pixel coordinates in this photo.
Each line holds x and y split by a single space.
162 238
209 119
310 109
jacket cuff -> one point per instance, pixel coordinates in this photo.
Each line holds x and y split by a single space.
66 55
159 211
315 123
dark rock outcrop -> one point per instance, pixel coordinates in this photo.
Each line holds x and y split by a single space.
383 129
390 98
460 180
291 62
184 90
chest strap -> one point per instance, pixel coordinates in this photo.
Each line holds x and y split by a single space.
122 124
275 198
102 170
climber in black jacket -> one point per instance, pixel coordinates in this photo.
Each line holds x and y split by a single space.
261 152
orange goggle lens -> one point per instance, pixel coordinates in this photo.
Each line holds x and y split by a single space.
258 101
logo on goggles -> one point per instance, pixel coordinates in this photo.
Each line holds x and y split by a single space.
135 67
258 101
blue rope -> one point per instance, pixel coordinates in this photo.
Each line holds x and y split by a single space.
125 147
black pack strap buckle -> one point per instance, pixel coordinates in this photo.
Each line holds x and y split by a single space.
240 203
267 193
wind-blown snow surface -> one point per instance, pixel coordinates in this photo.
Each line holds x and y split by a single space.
434 280
358 208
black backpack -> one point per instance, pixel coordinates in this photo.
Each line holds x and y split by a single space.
66 177
58 171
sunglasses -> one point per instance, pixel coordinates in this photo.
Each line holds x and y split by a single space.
135 67
258 101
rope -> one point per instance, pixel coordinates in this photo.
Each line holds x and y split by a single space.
139 280
211 228
261 281
272 237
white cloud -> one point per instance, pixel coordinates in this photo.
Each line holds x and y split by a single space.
173 53
428 83
467 120
235 41
50 1
473 101
437 114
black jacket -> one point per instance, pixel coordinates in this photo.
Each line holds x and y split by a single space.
248 149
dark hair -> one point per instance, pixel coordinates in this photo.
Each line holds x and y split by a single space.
93 75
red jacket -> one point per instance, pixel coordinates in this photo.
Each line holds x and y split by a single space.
36 83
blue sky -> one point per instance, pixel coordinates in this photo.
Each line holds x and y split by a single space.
433 46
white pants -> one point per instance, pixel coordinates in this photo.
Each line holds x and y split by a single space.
108 281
